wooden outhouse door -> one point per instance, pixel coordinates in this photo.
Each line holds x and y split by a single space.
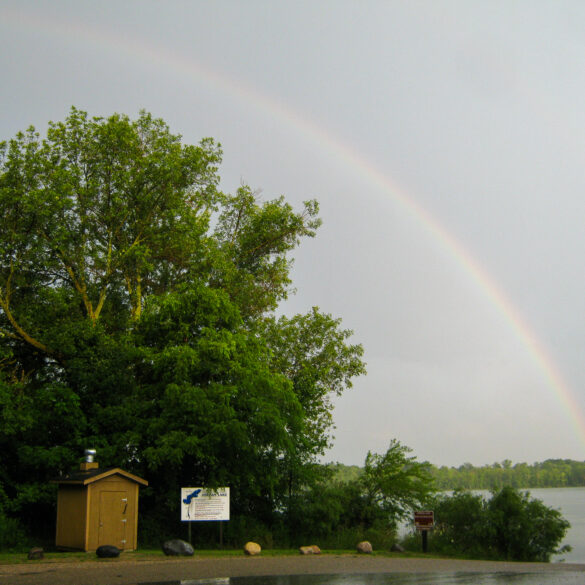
113 520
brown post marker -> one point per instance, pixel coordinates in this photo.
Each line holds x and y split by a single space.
423 522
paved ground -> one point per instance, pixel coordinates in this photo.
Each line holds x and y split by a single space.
123 572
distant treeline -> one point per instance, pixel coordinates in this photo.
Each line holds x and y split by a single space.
549 473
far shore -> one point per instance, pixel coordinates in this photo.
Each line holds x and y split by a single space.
150 569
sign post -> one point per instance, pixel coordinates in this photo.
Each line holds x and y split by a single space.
205 504
423 522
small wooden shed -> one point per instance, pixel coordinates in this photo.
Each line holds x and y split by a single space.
97 507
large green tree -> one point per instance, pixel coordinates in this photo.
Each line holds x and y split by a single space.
136 316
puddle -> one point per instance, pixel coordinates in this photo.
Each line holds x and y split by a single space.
549 578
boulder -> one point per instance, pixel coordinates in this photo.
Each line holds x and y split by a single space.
397 548
312 549
252 549
36 553
177 548
364 547
107 551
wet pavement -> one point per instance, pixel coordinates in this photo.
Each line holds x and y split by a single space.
570 578
291 570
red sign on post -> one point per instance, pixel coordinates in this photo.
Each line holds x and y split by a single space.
424 520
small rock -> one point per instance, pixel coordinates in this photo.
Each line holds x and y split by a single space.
397 548
107 551
364 547
36 553
252 549
177 548
313 549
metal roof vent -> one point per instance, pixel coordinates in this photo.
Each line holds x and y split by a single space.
89 462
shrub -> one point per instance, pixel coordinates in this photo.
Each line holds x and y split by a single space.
461 526
510 525
12 535
524 529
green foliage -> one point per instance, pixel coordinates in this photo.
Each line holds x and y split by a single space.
344 473
545 474
12 534
252 244
136 317
221 414
549 473
396 482
335 515
313 352
525 529
89 209
510 525
338 514
461 525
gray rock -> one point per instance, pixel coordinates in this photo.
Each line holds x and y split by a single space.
36 553
107 551
397 548
177 548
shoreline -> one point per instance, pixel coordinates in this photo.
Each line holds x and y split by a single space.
169 569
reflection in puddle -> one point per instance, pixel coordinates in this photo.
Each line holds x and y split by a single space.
393 579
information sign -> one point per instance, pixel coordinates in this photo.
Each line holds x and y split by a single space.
424 520
200 504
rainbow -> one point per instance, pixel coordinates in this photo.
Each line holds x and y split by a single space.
308 131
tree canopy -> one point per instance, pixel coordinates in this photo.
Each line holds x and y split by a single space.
396 482
137 316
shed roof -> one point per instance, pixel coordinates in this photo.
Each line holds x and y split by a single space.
93 475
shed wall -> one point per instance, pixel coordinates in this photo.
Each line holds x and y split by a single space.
72 511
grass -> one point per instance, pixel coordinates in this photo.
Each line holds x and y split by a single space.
154 554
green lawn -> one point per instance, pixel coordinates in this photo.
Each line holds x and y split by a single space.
154 554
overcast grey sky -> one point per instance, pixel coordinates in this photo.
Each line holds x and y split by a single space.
445 141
